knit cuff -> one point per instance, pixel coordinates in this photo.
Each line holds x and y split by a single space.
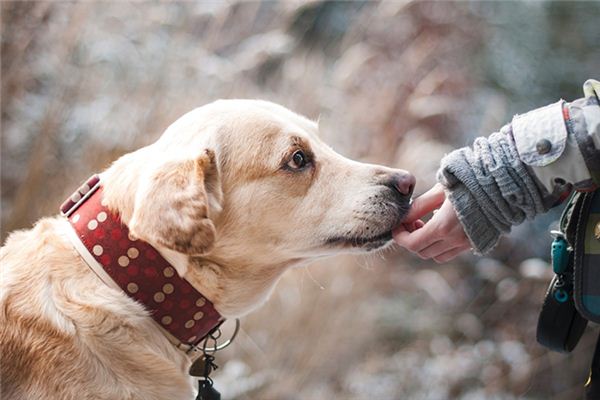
480 231
483 234
490 188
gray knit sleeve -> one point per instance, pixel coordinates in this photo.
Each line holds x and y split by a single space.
491 189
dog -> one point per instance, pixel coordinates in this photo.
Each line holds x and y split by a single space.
232 195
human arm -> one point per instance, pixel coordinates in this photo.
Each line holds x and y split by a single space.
525 169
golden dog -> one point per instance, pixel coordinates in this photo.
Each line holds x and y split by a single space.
232 195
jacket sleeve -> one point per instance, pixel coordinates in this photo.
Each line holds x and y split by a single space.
526 168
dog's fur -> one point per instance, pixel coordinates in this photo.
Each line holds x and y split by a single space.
219 195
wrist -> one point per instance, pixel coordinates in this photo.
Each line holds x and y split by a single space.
482 234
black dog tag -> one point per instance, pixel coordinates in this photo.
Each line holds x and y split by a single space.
202 368
206 391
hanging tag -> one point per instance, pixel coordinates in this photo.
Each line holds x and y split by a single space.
204 365
202 368
206 391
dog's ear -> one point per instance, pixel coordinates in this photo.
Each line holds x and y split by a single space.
173 205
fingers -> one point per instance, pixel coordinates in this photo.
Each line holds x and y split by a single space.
443 251
426 203
442 238
436 249
409 226
451 254
419 239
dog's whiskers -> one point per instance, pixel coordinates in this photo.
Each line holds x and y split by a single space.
367 262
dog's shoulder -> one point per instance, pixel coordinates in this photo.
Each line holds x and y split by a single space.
29 256
31 342
59 322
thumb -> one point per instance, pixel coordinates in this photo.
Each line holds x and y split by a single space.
426 203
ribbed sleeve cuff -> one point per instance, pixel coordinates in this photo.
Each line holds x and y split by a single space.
481 233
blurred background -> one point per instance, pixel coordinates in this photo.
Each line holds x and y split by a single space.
399 83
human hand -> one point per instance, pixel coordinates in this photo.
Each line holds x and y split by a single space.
442 237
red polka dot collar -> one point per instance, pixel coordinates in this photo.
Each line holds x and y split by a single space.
137 268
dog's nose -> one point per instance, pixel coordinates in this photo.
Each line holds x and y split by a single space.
403 182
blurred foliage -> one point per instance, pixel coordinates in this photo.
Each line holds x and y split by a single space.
399 83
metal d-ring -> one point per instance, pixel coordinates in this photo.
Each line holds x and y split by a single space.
224 344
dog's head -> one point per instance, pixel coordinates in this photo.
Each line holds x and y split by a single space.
249 183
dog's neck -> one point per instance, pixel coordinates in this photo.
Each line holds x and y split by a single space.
227 283
234 290
124 262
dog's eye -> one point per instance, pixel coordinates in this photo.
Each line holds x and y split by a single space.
298 160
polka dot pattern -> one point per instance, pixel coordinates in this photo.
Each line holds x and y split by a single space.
168 288
70 203
123 261
97 250
140 270
132 287
132 253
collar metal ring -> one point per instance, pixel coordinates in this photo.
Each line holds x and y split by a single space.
224 344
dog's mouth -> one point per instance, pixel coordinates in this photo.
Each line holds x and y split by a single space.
367 243
366 239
